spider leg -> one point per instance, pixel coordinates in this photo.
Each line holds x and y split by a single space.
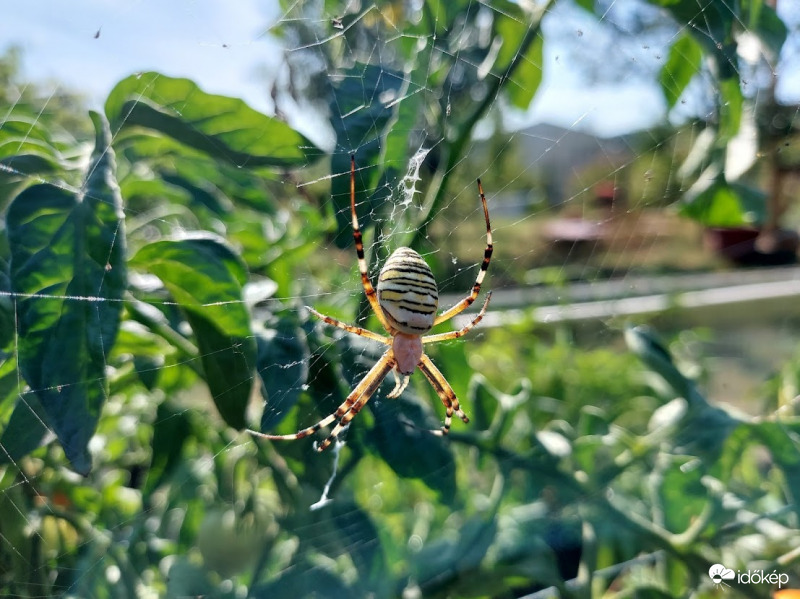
400 384
379 370
369 290
462 331
476 288
367 387
361 332
444 391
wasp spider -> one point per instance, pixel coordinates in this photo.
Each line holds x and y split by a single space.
405 303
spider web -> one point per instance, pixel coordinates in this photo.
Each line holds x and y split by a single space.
579 187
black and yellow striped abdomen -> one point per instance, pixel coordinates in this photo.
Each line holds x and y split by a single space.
407 292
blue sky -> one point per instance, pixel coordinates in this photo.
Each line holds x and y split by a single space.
223 46
218 44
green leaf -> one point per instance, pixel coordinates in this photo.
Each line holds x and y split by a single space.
201 175
141 194
68 267
304 580
441 561
730 105
171 429
766 24
25 430
484 400
681 491
683 63
400 129
592 421
205 278
222 127
29 159
783 444
283 358
187 579
402 437
512 27
649 348
365 101
710 23
7 316
725 204
704 428
649 591
356 536
27 147
592 453
493 410
520 544
528 75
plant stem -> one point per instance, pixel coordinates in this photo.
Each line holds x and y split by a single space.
140 312
455 150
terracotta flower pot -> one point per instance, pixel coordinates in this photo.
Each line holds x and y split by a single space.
748 246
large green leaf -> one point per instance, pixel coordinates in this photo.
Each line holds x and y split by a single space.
222 127
205 278
188 168
68 269
683 63
283 358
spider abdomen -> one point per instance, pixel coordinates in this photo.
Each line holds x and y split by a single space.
407 292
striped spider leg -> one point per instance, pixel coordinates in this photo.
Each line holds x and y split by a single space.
405 302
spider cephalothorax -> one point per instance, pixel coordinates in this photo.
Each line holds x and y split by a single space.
405 303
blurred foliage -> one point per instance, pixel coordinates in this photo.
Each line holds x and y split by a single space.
53 104
736 53
152 287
